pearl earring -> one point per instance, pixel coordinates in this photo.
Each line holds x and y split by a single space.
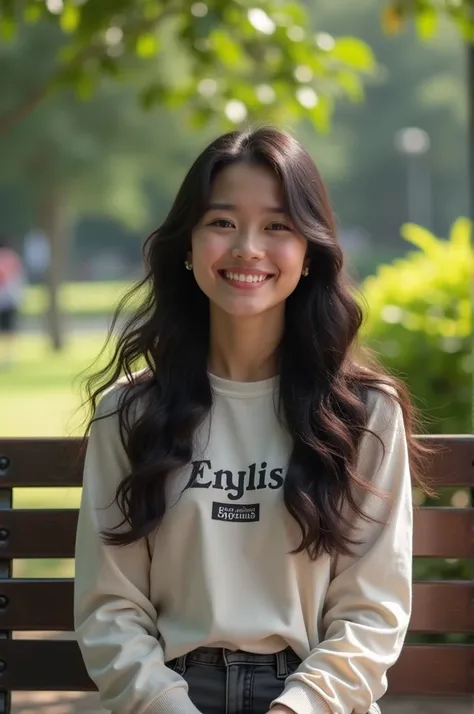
305 272
188 265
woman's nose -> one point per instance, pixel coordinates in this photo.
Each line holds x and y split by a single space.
248 246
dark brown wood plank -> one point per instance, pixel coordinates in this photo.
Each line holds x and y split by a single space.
444 532
50 665
53 604
443 607
43 665
438 607
438 532
42 462
433 670
59 462
38 534
453 465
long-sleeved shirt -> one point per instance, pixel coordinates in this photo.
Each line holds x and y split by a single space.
220 571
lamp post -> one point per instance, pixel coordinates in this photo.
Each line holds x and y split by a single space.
414 144
470 94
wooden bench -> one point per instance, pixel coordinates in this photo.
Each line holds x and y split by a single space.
44 605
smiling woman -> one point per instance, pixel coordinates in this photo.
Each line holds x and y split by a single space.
244 538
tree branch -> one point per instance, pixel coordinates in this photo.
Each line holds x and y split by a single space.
27 105
23 109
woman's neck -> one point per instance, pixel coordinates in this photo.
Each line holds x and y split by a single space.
245 349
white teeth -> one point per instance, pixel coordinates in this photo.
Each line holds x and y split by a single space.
241 278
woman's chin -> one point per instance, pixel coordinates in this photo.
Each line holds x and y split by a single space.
246 311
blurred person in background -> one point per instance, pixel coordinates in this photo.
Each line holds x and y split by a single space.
245 529
36 255
12 282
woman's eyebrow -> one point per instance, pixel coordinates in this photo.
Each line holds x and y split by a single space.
217 206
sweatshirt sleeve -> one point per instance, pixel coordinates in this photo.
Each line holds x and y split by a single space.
368 602
115 622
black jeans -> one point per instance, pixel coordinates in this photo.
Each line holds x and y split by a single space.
234 682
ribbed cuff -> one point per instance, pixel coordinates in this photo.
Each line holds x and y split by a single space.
173 701
302 700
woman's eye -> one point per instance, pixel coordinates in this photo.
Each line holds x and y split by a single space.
221 223
279 227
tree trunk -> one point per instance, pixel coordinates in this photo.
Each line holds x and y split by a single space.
53 219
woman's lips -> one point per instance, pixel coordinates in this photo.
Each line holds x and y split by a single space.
245 279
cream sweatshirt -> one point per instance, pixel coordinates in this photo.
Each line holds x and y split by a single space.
221 573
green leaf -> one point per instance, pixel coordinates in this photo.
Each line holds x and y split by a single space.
296 11
150 9
427 22
32 13
421 237
85 86
199 118
147 45
465 27
228 51
69 19
151 95
7 29
351 83
109 66
321 114
460 235
67 53
354 53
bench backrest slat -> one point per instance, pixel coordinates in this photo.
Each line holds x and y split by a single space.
438 607
59 462
54 533
438 533
57 665
443 532
432 670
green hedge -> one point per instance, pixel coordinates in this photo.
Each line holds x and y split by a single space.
420 324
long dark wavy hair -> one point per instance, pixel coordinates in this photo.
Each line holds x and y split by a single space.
324 373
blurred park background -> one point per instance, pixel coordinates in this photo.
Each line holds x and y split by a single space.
104 105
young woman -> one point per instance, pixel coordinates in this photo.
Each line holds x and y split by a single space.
244 539
12 284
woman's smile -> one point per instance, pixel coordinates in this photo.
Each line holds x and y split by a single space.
245 278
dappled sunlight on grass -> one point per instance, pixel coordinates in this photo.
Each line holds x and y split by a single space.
46 497
41 414
44 567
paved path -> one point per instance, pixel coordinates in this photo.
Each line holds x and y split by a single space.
55 703
75 703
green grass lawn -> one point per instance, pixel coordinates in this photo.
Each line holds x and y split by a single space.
84 299
41 396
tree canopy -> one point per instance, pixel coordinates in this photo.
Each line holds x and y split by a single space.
427 15
237 58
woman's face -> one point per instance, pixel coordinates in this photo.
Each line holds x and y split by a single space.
246 255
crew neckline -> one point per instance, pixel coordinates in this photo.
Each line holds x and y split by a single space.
243 390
